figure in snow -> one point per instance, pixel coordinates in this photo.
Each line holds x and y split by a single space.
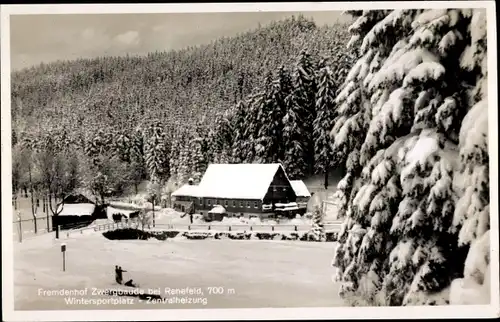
119 274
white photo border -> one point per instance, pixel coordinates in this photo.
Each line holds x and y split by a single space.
470 311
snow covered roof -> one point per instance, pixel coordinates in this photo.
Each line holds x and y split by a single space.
300 188
218 210
111 211
78 198
237 181
77 209
186 190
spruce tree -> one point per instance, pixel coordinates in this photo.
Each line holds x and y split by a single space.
156 153
238 153
305 89
400 112
198 161
252 127
175 153
318 230
295 158
122 146
472 212
268 118
222 137
323 122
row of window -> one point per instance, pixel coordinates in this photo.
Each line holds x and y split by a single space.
233 202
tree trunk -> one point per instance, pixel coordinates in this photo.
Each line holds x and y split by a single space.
32 199
47 213
326 178
153 212
55 214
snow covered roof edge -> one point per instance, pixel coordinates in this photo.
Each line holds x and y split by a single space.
300 188
186 190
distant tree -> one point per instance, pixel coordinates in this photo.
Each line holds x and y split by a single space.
59 176
105 178
325 110
198 161
238 153
295 158
305 89
156 151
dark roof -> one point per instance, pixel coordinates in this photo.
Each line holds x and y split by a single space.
77 198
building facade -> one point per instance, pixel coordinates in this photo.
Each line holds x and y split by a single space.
261 190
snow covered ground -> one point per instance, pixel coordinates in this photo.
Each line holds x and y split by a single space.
256 273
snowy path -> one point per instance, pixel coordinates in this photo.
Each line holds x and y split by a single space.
262 273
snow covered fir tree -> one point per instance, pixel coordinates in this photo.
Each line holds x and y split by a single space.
412 131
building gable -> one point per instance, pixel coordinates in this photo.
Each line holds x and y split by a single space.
280 187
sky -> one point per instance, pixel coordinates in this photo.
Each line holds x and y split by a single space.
47 38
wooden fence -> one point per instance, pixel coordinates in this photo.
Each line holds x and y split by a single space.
331 227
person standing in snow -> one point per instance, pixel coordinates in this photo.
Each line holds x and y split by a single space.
191 212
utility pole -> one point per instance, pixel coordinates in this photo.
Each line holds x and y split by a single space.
32 199
154 197
20 227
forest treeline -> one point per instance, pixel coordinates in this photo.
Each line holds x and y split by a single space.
109 123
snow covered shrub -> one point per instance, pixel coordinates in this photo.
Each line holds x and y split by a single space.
400 130
238 236
127 233
197 235
221 236
317 232
330 236
290 236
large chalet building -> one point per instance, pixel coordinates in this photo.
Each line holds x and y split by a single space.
244 189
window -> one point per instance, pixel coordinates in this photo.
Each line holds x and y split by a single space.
275 189
284 189
234 203
241 204
209 202
226 203
248 204
255 204
218 201
201 202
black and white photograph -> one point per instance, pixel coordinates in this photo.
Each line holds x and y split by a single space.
310 160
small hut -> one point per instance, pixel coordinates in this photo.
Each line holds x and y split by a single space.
216 214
